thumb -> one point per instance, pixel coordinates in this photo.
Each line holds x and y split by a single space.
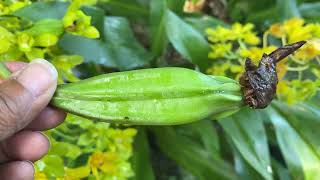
24 95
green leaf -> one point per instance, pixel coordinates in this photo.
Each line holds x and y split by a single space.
243 168
140 161
97 16
51 26
281 172
205 133
247 132
159 38
64 65
43 10
287 9
85 139
56 10
203 22
241 10
54 166
298 137
64 149
191 156
310 10
128 8
117 49
187 41
176 6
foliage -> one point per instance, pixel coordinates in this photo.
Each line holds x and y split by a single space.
83 38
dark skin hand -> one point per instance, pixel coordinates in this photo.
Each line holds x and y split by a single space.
24 113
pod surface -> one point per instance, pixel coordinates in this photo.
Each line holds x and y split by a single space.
160 96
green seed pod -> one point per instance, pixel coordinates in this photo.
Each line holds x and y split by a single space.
161 96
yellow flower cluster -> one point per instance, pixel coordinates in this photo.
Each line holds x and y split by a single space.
9 6
112 163
229 45
40 39
295 30
107 165
236 32
255 53
31 43
232 45
220 50
77 22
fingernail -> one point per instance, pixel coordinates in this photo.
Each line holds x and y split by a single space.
46 136
38 76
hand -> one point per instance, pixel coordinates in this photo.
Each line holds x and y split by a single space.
23 114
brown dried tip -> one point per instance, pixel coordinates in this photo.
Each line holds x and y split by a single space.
259 84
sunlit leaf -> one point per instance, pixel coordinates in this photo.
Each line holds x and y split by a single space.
50 26
65 149
54 166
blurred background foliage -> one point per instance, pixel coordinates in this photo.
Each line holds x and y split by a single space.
83 38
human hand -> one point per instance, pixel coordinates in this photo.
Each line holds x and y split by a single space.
23 114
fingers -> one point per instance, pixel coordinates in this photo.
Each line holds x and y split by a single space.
24 95
15 66
17 170
25 145
49 118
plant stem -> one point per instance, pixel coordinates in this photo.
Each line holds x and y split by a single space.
297 60
301 68
265 39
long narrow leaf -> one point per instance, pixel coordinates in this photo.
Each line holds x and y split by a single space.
187 40
248 134
298 139
141 157
157 24
191 156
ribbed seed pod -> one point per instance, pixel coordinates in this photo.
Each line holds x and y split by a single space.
161 96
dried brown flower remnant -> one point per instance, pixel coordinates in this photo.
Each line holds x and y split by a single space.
259 84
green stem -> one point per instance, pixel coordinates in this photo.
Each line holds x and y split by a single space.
4 72
297 60
265 39
318 59
283 40
301 68
242 45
